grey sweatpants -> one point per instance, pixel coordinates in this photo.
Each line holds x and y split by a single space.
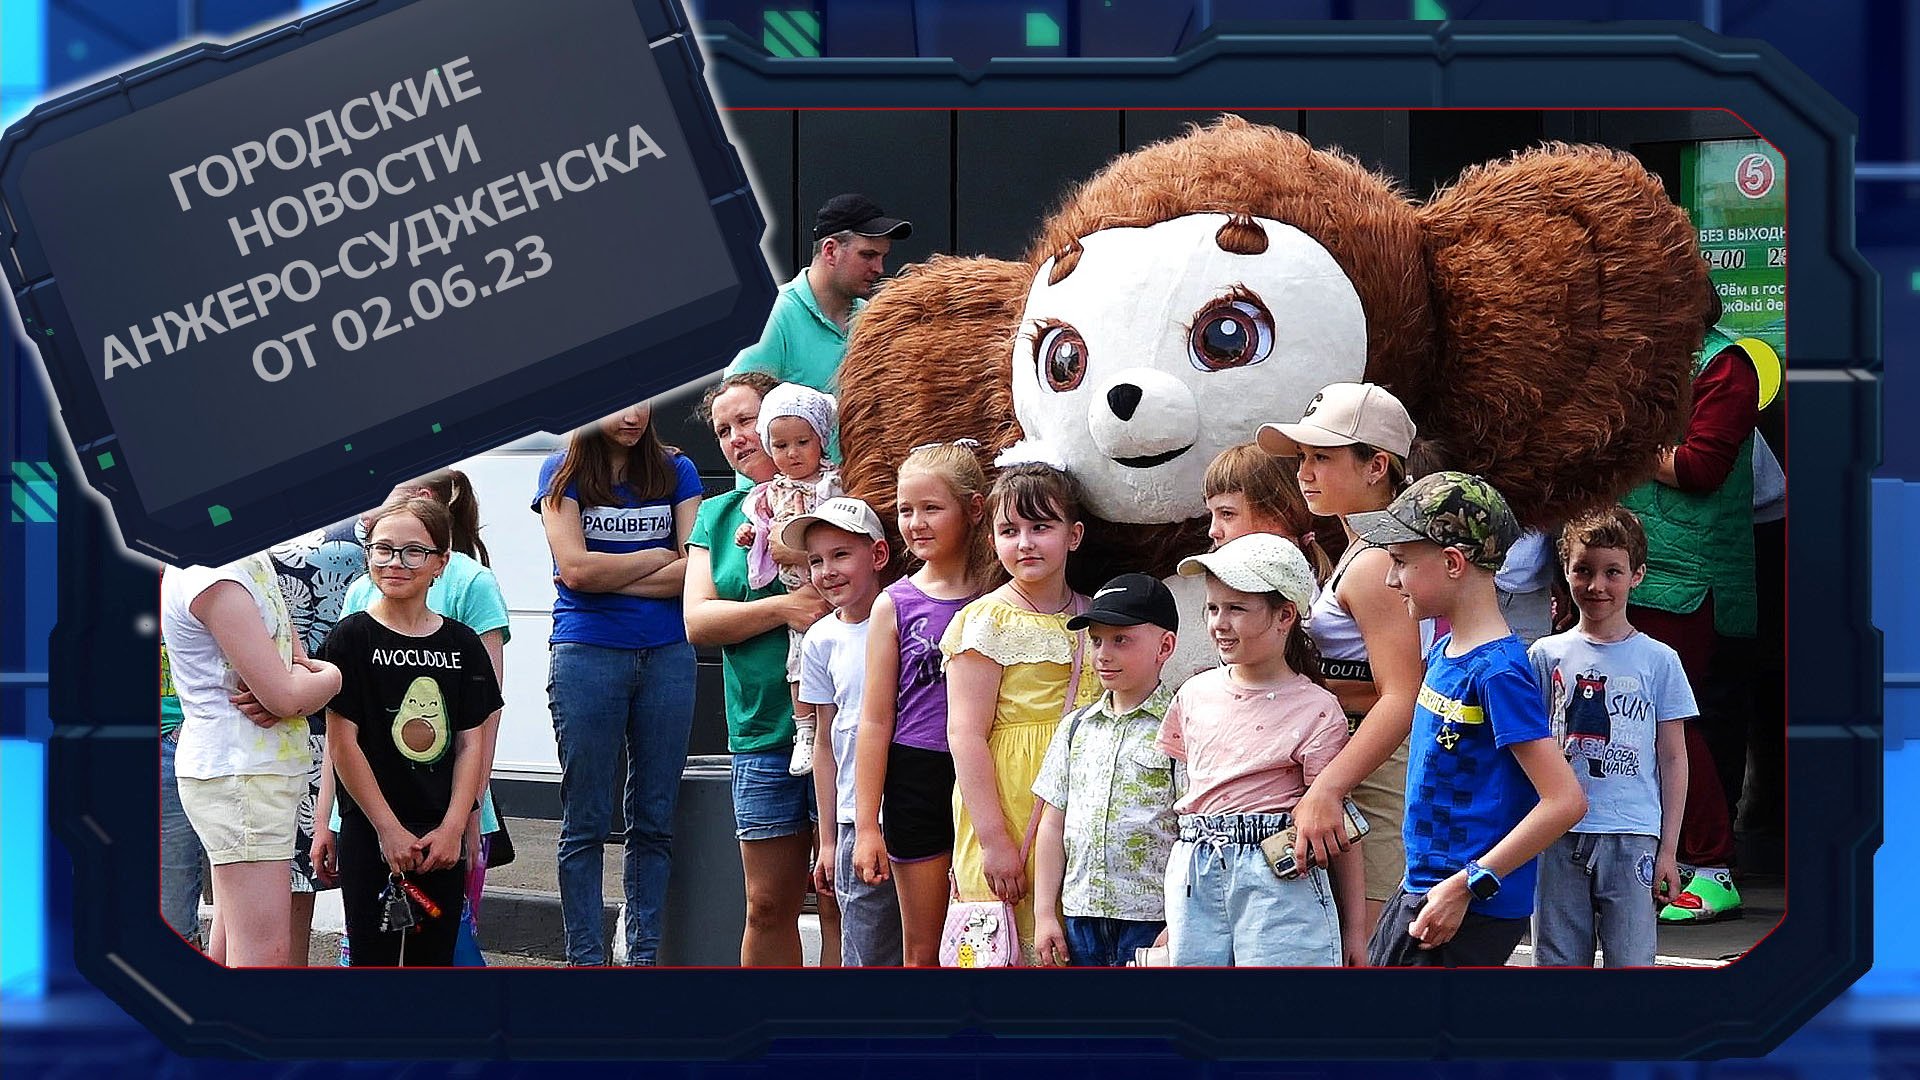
1596 887
869 914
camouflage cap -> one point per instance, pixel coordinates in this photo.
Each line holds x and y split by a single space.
1452 509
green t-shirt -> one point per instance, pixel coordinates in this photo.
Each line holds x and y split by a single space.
468 593
753 672
800 344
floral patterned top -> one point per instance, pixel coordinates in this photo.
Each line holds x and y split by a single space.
1118 788
315 571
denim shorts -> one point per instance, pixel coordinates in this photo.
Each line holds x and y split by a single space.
1227 908
767 801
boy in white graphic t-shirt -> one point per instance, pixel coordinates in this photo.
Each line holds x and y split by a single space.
1615 698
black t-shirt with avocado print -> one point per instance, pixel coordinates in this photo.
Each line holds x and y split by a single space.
410 697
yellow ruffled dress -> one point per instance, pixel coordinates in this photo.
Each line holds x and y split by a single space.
1036 650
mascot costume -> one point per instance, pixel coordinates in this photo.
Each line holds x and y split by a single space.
1538 319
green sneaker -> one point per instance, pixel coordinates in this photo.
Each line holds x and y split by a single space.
1709 896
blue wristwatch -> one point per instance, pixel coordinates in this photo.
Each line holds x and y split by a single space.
1483 883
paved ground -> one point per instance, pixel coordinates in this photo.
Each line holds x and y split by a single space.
521 915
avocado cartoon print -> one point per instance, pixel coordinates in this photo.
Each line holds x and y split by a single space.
1589 729
420 727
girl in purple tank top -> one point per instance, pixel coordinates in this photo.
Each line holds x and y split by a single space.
903 774
920 710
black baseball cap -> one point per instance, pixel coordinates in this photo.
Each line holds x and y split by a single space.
1129 600
859 214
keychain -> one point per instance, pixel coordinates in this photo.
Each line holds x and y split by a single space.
426 903
396 907
403 908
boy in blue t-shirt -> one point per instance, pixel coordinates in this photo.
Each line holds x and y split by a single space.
1614 696
1487 789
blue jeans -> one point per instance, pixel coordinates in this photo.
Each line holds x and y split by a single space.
180 878
605 701
1099 942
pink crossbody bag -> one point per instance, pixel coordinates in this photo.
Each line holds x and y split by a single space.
982 933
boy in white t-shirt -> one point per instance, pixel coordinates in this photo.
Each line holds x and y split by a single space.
846 554
1615 698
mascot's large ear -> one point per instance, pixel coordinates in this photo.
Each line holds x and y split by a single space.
1569 299
928 361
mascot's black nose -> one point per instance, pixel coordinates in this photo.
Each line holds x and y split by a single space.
1123 399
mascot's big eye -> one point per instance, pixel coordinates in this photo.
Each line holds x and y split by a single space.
1231 332
1062 353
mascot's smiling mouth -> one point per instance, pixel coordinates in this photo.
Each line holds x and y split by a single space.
1156 459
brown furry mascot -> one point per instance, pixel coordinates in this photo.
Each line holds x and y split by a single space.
1538 319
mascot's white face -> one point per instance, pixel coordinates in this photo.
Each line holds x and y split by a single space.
1160 349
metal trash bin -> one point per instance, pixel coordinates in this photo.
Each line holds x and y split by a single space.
706 913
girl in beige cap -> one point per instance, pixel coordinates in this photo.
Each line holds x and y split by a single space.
1352 444
1255 733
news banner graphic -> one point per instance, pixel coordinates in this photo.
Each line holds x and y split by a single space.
270 280
102 757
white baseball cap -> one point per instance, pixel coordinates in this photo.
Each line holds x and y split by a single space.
843 512
1341 415
1259 563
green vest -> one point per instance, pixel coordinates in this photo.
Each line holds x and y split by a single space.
1702 543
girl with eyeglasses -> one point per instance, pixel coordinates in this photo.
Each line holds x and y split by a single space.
469 594
406 739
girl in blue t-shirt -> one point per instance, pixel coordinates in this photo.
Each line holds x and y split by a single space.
618 506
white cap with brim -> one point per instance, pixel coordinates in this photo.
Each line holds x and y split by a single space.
1343 414
1259 563
1285 440
843 512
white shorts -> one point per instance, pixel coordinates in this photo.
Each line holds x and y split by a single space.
249 818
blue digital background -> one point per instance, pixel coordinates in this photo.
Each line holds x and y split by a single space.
1866 52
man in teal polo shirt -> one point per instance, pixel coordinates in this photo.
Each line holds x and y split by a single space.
806 332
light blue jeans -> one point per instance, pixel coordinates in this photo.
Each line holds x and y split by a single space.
180 878
1227 908
608 704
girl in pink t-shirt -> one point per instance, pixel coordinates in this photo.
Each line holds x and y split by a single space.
1254 734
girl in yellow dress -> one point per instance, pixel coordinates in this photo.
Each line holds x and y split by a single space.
1012 670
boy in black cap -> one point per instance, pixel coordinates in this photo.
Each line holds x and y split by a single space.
1107 790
